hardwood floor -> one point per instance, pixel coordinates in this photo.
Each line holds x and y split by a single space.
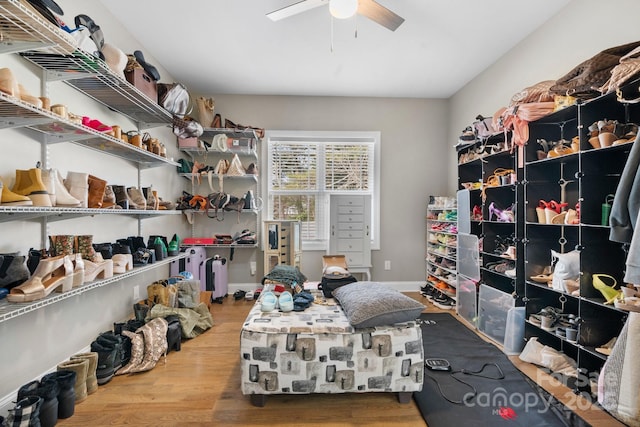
199 385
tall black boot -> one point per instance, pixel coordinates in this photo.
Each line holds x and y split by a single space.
107 355
48 390
140 311
66 391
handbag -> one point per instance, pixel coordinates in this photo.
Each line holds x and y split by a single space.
186 127
586 79
217 202
174 98
483 127
539 92
205 110
328 285
235 167
566 267
627 69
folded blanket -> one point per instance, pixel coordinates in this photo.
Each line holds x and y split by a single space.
285 274
193 321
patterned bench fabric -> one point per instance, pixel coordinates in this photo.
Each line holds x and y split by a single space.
318 351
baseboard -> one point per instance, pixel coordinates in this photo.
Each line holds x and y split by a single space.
9 401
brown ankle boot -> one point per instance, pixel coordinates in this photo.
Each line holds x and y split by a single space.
109 199
152 203
97 188
136 198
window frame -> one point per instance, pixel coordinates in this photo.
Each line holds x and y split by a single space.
328 136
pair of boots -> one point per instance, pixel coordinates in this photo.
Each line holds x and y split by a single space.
112 352
89 190
148 344
134 198
85 366
42 403
42 187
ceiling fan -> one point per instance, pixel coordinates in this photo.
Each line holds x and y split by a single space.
343 9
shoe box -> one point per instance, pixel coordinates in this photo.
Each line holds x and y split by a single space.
143 82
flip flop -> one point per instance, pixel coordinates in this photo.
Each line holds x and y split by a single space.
150 69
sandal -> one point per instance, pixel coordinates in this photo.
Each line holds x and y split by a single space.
607 347
608 292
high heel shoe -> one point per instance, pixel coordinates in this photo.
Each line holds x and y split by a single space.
122 263
505 215
476 214
553 208
608 292
52 274
78 270
540 211
95 270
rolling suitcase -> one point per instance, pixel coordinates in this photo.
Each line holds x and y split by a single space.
213 278
196 255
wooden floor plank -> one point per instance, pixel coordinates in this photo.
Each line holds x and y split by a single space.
200 386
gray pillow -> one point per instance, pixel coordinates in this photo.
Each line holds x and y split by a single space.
369 304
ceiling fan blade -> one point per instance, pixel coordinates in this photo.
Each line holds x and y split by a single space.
380 14
296 8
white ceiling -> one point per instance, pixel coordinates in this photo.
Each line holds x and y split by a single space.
231 47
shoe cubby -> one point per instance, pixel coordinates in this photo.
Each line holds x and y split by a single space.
580 180
441 245
489 172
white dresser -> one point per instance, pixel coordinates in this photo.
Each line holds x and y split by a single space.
350 231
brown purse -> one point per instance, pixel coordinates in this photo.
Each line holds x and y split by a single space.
586 79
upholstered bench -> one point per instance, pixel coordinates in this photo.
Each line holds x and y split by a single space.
319 351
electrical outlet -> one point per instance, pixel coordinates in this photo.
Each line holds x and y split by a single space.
387 265
253 267
136 293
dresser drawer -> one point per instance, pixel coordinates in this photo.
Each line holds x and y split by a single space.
350 210
350 234
349 218
350 201
349 226
354 259
348 245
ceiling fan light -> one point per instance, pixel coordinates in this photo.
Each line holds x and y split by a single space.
343 9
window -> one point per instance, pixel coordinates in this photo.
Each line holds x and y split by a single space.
305 168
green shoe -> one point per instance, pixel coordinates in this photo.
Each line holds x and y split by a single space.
174 246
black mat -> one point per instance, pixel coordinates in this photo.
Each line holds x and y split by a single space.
512 401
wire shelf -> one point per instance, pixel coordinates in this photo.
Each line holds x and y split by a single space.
10 310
